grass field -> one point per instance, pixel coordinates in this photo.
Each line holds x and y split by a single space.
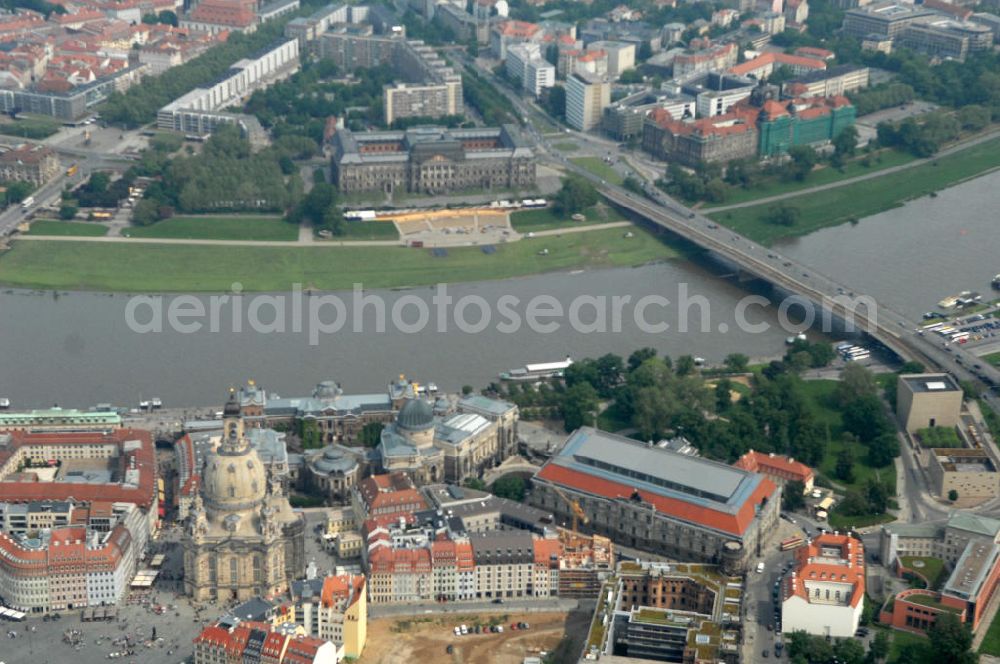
854 168
834 206
993 358
598 167
899 640
221 227
546 219
138 267
566 146
54 227
991 642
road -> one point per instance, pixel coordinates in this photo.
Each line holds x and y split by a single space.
961 145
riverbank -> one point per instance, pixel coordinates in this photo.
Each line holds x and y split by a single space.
839 204
135 266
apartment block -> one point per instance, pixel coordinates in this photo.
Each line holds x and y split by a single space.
526 66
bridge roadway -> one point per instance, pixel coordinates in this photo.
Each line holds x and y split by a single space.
889 327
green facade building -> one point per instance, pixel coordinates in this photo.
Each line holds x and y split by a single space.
782 125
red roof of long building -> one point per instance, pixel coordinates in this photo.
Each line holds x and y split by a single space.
735 523
143 457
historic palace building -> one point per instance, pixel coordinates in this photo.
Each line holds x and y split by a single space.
433 160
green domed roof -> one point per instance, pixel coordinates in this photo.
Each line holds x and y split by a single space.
415 415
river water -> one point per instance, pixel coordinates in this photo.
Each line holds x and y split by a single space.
78 349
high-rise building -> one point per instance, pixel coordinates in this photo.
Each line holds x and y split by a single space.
586 98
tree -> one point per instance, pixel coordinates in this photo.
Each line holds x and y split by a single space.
844 470
877 495
67 211
371 434
883 450
475 483
803 159
685 365
554 101
793 496
467 390
849 651
737 362
782 214
575 195
511 487
639 356
951 641
579 406
855 381
309 434
879 646
953 495
865 418
845 143
17 192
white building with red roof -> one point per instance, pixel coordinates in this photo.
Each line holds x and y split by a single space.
825 592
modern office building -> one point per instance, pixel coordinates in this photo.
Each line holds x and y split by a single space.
621 56
946 38
649 498
433 160
886 19
969 473
669 613
586 98
623 120
928 400
967 545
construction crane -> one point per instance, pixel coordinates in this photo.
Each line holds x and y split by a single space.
578 515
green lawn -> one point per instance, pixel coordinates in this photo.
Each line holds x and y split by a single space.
839 521
991 642
939 437
819 395
933 569
566 146
598 167
835 206
54 227
138 267
369 230
220 227
775 186
993 358
544 219
899 640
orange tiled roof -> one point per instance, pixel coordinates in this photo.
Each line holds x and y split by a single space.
760 461
735 523
811 566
